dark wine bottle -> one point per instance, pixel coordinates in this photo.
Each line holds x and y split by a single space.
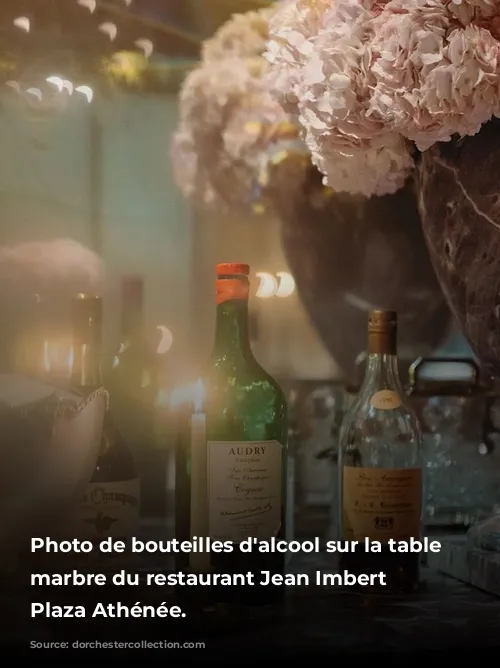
132 365
133 384
109 507
380 467
237 452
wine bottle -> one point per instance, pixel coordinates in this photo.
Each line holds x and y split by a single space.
132 363
380 476
110 504
238 451
133 384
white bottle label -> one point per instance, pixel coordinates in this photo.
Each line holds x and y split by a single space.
109 509
244 489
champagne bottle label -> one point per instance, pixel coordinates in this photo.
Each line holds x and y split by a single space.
244 489
106 510
385 400
109 509
381 504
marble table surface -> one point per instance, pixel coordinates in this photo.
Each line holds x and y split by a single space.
445 616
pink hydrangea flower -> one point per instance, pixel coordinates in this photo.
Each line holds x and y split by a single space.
232 131
366 78
243 36
321 66
434 77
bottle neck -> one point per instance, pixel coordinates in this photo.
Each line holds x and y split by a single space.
232 338
382 373
382 369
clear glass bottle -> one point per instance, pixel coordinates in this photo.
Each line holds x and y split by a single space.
238 450
109 506
380 475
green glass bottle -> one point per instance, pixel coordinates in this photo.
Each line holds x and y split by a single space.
238 450
110 504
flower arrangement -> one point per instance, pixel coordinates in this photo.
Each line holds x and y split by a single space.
234 140
372 82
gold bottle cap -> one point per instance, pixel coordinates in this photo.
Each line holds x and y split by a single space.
382 332
382 321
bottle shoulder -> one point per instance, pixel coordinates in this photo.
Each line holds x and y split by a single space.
246 373
129 354
363 407
244 402
272 383
133 372
364 418
375 438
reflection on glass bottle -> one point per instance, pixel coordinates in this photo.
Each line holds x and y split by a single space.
380 475
43 345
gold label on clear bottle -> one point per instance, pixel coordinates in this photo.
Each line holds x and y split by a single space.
381 504
245 483
385 400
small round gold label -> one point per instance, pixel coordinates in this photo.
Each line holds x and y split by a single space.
385 400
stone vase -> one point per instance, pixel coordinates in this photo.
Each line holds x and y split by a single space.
350 254
459 202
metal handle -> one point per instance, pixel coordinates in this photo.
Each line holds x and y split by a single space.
415 371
